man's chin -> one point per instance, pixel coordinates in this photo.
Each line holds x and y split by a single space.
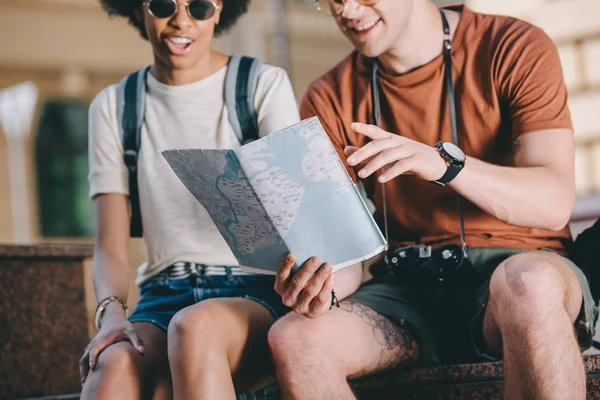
370 51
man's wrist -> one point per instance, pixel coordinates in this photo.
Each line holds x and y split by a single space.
454 159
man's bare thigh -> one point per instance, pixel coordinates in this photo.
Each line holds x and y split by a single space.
389 343
354 337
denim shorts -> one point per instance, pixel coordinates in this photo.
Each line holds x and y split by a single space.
162 296
448 323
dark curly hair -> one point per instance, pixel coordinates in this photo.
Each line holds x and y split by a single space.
231 12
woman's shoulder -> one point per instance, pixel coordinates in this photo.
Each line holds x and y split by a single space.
102 113
275 100
272 74
105 101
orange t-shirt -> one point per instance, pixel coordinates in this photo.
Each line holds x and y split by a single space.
508 82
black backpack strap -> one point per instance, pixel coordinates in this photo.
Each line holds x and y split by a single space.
131 102
240 88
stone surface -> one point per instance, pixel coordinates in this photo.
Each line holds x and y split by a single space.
42 319
469 381
57 251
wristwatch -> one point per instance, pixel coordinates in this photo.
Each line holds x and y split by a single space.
455 158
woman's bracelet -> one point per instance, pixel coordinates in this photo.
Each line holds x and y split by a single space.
102 306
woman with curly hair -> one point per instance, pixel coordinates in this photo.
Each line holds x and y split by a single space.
200 327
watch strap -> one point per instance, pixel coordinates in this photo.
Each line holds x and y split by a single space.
451 172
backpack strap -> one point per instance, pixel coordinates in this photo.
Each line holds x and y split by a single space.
131 104
241 82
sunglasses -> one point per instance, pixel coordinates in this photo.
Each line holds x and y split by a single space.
200 10
336 7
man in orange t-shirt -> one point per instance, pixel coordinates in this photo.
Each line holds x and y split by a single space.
512 294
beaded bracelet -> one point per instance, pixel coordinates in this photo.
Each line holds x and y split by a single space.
102 306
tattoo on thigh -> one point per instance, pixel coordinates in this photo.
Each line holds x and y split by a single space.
397 343
516 146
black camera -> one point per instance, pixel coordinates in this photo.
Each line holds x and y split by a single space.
425 263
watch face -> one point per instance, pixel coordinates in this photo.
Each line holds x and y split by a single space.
454 151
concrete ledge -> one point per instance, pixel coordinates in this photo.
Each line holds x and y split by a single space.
469 381
46 250
42 318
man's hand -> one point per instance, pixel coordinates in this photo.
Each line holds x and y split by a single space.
395 155
307 293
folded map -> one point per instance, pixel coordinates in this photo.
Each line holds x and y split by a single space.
286 192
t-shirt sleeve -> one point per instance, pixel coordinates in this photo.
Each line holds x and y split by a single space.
316 104
530 81
107 170
275 101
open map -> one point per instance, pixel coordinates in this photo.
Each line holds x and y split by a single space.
287 192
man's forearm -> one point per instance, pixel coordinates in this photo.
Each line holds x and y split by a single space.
537 192
535 197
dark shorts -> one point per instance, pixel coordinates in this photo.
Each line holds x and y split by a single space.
448 323
162 297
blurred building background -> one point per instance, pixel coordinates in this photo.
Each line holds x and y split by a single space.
69 50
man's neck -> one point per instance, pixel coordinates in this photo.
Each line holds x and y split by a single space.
421 41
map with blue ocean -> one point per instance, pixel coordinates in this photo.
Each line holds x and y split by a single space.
286 192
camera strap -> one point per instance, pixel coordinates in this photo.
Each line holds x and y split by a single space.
453 125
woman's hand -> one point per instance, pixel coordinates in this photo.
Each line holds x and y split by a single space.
309 291
111 332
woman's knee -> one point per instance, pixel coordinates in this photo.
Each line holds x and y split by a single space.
188 325
195 331
119 359
122 372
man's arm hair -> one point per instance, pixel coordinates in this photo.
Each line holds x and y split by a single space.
537 192
537 188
